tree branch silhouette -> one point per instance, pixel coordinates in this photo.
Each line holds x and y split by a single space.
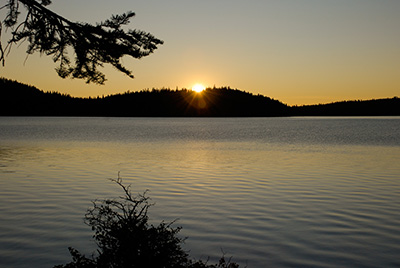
92 45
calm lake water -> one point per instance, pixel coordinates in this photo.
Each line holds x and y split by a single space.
271 192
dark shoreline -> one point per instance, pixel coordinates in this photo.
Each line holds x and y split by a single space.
18 99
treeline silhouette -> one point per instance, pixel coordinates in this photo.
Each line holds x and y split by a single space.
17 99
379 107
24 100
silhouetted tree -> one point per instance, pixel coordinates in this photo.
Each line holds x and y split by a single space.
126 239
93 45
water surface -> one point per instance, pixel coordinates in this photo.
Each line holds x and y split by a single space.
277 192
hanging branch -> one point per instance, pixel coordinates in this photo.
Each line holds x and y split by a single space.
93 45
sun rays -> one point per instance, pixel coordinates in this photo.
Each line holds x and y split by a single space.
198 88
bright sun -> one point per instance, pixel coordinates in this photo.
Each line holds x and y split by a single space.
198 88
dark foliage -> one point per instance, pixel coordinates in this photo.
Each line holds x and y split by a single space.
93 45
18 99
126 239
213 102
378 107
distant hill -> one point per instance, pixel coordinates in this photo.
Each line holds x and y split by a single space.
379 107
17 99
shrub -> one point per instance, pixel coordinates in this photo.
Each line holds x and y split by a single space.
125 238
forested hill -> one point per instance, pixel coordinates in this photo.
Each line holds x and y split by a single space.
18 99
379 107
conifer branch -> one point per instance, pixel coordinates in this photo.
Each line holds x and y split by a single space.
92 45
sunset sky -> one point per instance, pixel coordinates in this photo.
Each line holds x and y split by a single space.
296 51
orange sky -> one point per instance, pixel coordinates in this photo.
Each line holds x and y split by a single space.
296 51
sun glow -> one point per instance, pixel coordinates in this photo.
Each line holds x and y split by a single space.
198 88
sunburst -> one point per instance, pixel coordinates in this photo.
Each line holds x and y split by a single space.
198 88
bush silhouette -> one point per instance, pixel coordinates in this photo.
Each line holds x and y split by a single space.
125 238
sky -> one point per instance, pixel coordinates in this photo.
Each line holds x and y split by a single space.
296 51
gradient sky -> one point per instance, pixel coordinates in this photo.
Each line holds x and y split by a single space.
296 51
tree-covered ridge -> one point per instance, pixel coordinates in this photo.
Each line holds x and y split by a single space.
17 99
374 107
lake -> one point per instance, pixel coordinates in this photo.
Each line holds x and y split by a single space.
271 192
